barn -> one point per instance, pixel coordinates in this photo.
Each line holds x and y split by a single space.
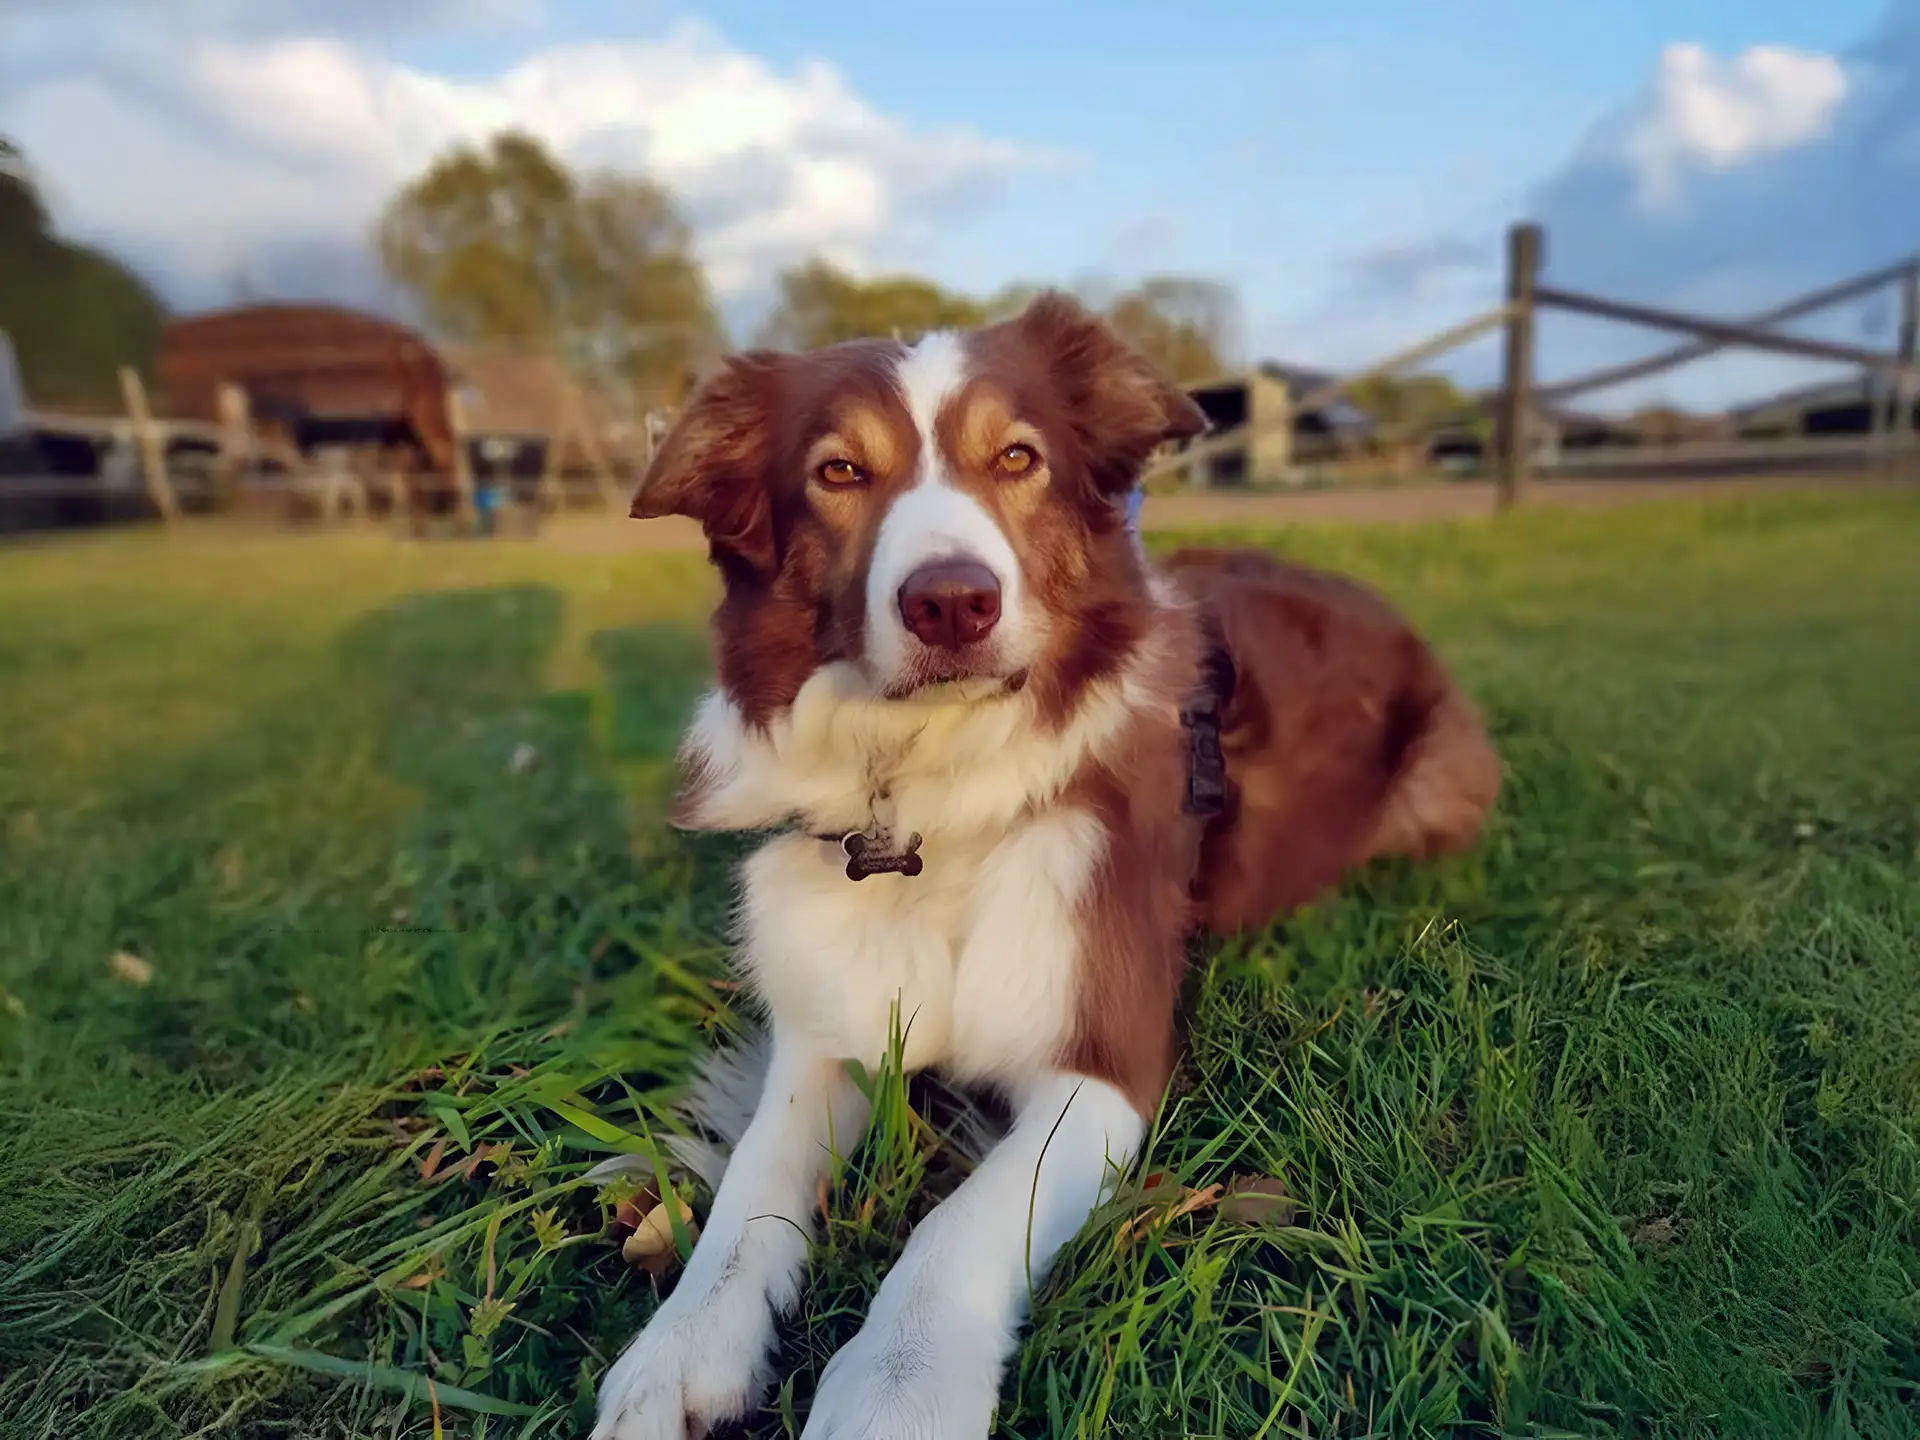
315 377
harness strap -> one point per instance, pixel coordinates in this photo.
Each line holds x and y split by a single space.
1206 764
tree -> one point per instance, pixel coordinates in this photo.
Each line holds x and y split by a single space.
1412 402
75 314
821 304
504 243
1184 325
1407 409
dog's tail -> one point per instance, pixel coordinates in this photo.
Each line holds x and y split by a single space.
1447 780
717 1106
724 1094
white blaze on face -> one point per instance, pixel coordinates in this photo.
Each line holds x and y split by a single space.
935 520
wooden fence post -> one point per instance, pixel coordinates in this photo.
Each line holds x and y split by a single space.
596 455
462 476
1906 376
399 493
552 488
1516 384
236 441
153 451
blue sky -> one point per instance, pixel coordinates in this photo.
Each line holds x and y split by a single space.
1263 142
1275 147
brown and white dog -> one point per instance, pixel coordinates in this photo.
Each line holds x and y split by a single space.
988 730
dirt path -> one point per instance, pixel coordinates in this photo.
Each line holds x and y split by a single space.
1402 505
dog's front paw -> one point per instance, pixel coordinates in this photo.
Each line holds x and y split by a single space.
693 1367
902 1383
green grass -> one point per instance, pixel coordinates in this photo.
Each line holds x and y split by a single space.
1609 1129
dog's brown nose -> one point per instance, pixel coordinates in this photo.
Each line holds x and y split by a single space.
951 603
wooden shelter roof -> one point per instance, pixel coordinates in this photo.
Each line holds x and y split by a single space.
323 361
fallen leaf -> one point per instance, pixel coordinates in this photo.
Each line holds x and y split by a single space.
1257 1200
1162 1203
131 968
1196 1200
430 1166
523 757
628 1213
650 1246
421 1279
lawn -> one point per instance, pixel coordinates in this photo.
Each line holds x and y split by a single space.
339 935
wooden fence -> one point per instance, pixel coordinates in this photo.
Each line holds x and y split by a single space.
1519 399
182 466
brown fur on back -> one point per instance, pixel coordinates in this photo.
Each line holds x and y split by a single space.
1345 739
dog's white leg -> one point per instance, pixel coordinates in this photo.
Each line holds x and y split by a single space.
927 1364
703 1357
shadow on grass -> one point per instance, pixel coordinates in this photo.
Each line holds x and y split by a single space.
532 934
523 858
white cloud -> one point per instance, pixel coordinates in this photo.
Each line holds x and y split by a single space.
1736 183
216 153
1703 112
1729 185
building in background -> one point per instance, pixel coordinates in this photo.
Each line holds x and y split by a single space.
1279 437
1847 406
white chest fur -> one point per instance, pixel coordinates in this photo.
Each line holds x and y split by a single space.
978 954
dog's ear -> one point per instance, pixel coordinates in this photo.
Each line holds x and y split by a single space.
711 466
1119 402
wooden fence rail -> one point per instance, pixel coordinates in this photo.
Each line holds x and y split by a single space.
1794 309
1722 332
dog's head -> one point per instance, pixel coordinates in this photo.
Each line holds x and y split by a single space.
950 513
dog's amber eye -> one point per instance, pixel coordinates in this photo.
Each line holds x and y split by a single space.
1016 460
839 474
